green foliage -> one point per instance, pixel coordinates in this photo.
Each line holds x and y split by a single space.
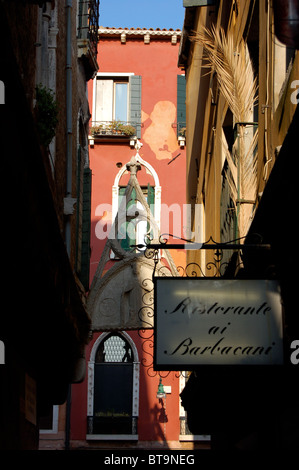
128 130
113 127
96 130
46 114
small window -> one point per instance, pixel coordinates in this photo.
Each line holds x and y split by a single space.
134 228
121 101
114 413
48 424
117 100
114 349
111 100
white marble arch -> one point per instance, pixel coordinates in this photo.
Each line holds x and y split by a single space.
91 364
151 170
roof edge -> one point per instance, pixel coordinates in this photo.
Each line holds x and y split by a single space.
112 31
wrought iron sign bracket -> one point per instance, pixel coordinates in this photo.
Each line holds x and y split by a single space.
151 251
214 268
209 245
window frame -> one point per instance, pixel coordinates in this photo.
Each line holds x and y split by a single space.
120 77
156 186
54 428
91 388
114 116
140 230
134 98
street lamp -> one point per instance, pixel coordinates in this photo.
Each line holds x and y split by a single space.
161 393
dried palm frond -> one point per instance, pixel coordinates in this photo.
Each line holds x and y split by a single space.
231 172
238 85
233 68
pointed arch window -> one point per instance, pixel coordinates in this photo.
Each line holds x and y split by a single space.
133 228
136 226
113 367
114 349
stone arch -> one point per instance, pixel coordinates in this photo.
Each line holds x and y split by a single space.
104 335
91 385
154 174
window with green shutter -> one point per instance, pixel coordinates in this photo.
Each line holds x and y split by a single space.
132 229
117 103
125 235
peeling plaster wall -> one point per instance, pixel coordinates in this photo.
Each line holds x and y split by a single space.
160 135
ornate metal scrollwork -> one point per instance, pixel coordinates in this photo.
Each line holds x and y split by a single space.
147 311
215 267
146 334
147 361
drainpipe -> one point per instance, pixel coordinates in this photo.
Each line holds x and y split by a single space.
69 136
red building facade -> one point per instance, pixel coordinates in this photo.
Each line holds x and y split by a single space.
137 150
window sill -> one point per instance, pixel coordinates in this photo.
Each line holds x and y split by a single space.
112 138
112 437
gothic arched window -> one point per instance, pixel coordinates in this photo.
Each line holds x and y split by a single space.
113 403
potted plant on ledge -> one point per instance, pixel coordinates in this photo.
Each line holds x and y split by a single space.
96 130
182 136
127 129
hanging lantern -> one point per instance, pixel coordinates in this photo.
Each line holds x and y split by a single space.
161 393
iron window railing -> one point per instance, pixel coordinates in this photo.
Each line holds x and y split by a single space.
109 128
112 425
184 430
88 22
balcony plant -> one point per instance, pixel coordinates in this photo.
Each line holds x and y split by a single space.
97 130
127 129
182 132
182 136
114 127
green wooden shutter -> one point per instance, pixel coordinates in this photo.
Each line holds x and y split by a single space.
129 239
151 197
135 103
181 102
86 213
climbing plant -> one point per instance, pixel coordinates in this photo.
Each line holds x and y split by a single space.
46 114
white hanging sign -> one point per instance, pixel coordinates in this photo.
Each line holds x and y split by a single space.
212 321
